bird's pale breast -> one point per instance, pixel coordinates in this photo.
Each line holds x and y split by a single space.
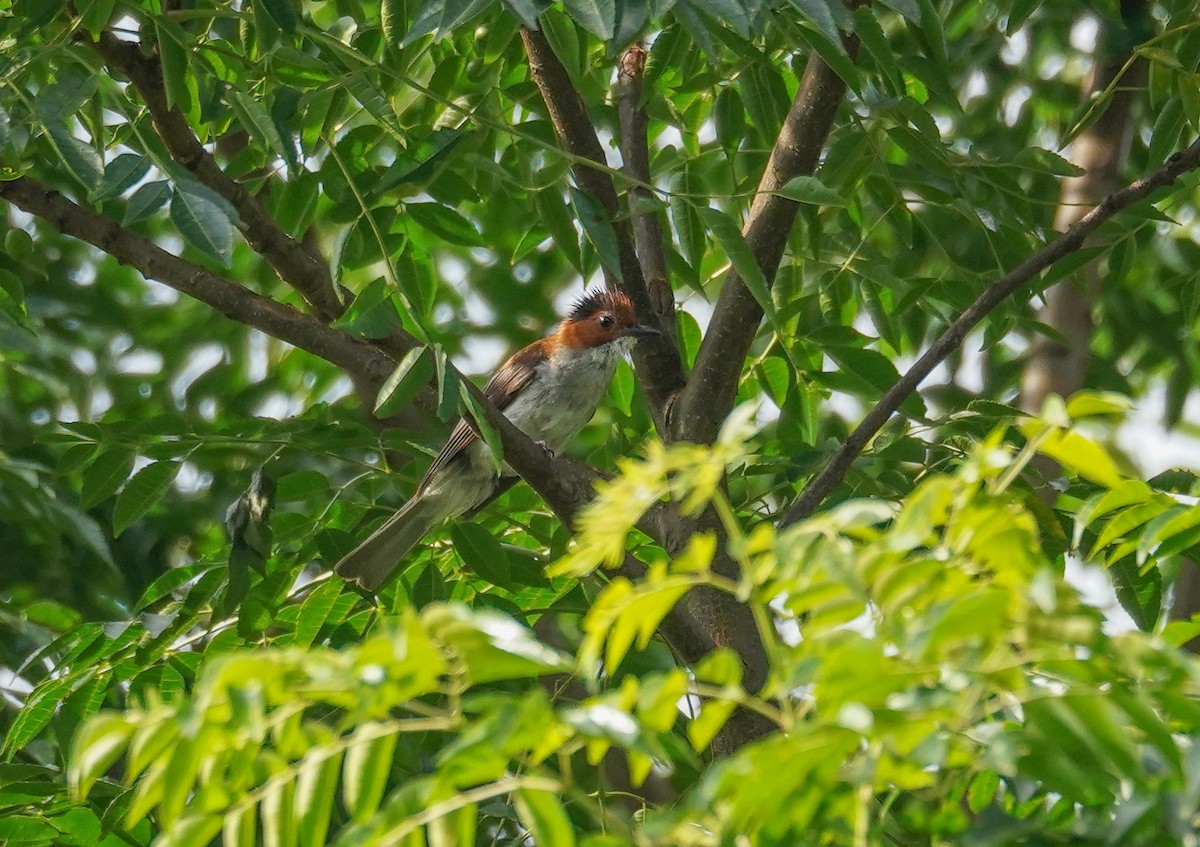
564 395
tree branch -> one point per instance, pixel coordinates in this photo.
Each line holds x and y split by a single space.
712 387
227 297
635 156
1070 241
296 265
720 620
657 360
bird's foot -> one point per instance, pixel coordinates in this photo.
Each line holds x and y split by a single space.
545 448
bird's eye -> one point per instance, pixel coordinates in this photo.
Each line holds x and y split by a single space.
605 321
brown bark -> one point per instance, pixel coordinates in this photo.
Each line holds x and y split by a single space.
227 297
635 156
1059 365
1186 602
657 361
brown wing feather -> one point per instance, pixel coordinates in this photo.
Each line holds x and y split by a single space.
504 385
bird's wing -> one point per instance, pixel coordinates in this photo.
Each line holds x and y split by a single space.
501 389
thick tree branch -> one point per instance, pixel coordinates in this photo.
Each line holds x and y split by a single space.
304 271
227 297
1070 241
635 156
712 387
720 619
657 360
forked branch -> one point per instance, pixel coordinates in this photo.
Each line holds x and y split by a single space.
657 360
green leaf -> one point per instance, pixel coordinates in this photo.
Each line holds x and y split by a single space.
482 553
372 314
448 388
411 375
556 218
314 611
12 299
178 80
146 201
191 831
258 122
203 223
869 365
747 267
18 244
730 118
278 811
1083 456
94 14
96 747
240 828
18 829
822 15
142 492
285 13
80 158
77 828
527 11
365 771
66 96
809 189
775 378
442 17
733 13
596 16
867 28
436 152
444 222
599 230
704 727
1044 161
620 390
105 475
393 19
1019 13
36 714
543 815
1168 127
316 785
1088 404
120 174
490 434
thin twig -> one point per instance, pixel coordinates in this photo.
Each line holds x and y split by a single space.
835 470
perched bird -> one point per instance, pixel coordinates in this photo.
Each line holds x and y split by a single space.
549 390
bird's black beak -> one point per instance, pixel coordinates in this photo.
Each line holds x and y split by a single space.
640 331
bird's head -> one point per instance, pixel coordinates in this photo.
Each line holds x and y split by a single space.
600 318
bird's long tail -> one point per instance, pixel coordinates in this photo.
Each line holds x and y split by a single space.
372 562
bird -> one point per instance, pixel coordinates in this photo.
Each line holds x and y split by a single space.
549 390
